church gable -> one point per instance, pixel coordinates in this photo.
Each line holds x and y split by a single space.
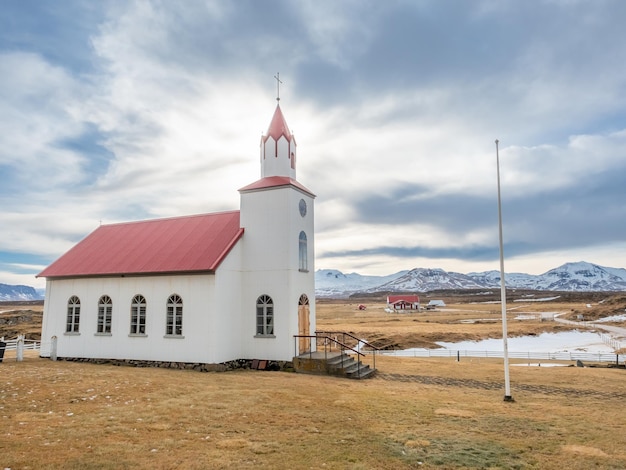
182 244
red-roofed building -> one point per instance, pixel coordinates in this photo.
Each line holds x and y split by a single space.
188 244
403 302
207 288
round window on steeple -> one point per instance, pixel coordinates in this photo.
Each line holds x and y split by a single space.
302 207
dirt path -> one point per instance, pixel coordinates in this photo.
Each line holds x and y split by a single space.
470 383
617 332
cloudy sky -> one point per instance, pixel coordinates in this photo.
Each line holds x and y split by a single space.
123 110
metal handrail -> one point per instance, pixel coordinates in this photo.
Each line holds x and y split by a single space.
328 339
295 344
344 333
343 345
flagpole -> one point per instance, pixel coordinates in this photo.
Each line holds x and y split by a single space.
507 383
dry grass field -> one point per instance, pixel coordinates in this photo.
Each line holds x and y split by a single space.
460 320
417 413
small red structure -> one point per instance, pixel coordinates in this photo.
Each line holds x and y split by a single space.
362 307
403 302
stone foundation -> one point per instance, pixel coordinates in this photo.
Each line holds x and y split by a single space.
254 364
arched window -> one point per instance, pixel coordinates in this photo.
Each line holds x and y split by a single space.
264 316
73 315
138 315
304 300
105 313
302 253
174 325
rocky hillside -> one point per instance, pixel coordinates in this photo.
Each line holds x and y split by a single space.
13 293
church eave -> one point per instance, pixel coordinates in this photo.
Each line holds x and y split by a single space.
130 274
272 182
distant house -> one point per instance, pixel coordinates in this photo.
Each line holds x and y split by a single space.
403 302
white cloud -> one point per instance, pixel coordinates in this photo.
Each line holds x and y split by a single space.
36 117
339 31
12 278
537 169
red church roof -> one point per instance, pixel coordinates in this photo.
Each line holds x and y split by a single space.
392 299
196 243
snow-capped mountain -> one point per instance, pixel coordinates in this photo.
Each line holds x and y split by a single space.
580 276
333 283
12 293
424 280
516 280
583 276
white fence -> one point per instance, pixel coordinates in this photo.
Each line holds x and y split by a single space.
530 355
11 344
19 345
609 341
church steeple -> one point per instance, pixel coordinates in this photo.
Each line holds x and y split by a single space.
277 247
278 148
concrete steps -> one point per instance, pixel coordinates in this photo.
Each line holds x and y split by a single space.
337 364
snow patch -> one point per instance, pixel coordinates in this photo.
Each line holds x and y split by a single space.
569 341
543 299
614 318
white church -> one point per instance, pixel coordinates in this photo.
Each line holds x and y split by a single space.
208 288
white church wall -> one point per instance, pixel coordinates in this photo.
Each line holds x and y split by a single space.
279 345
196 291
267 249
273 223
226 324
273 165
306 283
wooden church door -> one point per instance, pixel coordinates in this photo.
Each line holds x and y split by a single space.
304 324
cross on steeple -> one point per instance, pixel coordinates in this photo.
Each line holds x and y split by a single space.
278 82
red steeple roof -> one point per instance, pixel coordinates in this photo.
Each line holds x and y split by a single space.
196 243
278 126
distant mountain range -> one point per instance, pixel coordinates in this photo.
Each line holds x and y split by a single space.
572 277
13 293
